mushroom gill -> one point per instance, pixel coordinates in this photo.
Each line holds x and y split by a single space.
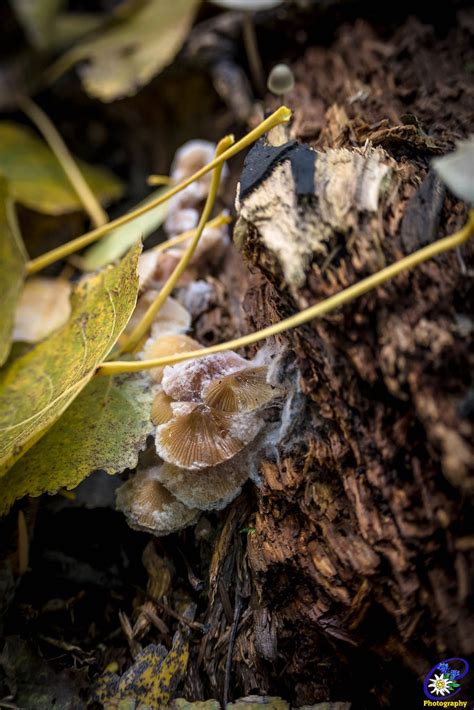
241 391
200 437
161 410
185 381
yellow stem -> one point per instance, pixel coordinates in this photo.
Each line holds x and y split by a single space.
144 325
64 157
162 180
316 311
218 221
282 115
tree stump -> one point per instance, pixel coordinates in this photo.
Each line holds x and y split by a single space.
361 545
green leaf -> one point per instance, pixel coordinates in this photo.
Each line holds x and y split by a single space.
70 27
37 180
131 52
37 18
12 268
37 387
115 244
104 428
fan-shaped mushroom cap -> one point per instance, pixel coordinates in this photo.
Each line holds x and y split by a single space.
208 489
172 317
241 391
199 437
186 380
161 410
150 507
163 345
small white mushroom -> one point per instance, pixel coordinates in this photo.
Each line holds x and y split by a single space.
281 80
169 344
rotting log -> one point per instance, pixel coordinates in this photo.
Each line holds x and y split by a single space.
348 573
361 544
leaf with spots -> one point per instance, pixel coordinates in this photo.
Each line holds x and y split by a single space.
104 428
12 268
151 682
36 388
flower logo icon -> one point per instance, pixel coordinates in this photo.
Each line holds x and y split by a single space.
443 679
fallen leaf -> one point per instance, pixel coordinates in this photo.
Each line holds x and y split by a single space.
43 307
37 19
12 268
130 53
152 680
70 27
104 428
37 387
116 243
36 178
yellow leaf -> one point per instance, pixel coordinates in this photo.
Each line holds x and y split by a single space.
104 428
12 268
37 387
37 180
128 55
153 679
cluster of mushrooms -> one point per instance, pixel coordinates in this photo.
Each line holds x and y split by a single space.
183 216
206 411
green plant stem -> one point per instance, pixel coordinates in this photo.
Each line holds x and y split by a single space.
144 325
64 157
281 115
316 311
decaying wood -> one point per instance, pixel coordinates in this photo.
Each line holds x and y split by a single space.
362 549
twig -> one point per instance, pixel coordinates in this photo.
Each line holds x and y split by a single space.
230 649
143 326
308 314
282 115
51 135
191 624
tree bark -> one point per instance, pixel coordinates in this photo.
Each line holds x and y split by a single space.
360 550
